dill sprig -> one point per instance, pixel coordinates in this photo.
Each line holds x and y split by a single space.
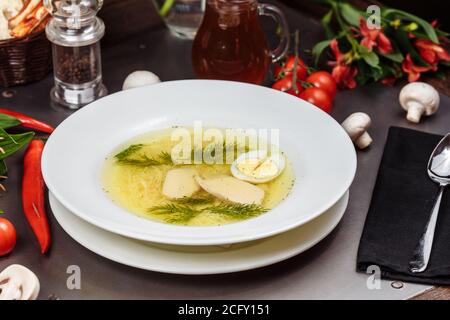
237 211
131 157
128 157
179 214
182 213
129 151
165 157
195 201
229 150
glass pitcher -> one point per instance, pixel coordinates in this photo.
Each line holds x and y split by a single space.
231 44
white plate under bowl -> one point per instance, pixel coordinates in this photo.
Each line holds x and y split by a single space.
202 260
321 153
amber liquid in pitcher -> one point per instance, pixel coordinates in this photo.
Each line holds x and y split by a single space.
230 44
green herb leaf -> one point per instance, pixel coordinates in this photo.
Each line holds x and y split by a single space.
3 168
142 161
428 28
396 56
128 157
318 50
405 44
371 59
240 211
9 144
8 121
363 74
442 33
350 14
377 73
129 151
183 213
195 201
177 213
326 24
165 157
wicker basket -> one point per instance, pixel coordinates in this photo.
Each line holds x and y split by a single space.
25 60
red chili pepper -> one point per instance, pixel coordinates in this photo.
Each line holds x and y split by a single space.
29 122
33 194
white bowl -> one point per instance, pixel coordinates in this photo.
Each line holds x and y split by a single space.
321 153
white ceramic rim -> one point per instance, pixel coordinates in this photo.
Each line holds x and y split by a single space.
143 256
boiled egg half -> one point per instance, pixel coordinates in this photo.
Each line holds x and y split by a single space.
258 166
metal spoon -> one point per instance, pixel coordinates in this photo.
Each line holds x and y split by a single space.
439 172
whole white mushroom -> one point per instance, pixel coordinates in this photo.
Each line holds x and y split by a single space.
356 126
140 78
418 99
18 283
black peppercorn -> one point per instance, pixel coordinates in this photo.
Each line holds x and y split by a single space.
76 65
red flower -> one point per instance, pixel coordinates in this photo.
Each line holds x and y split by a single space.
374 38
343 72
431 52
345 75
413 70
390 81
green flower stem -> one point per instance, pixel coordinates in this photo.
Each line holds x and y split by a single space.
165 8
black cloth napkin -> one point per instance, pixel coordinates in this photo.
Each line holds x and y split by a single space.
402 201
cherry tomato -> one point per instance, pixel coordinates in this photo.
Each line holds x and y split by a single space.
323 80
318 97
286 84
7 237
288 69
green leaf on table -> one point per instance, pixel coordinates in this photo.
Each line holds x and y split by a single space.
350 14
364 72
377 73
442 33
8 121
318 49
326 24
440 74
396 56
3 168
370 57
406 46
427 27
10 144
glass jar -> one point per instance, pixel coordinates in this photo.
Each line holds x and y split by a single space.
75 32
231 44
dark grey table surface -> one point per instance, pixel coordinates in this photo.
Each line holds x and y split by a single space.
303 276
